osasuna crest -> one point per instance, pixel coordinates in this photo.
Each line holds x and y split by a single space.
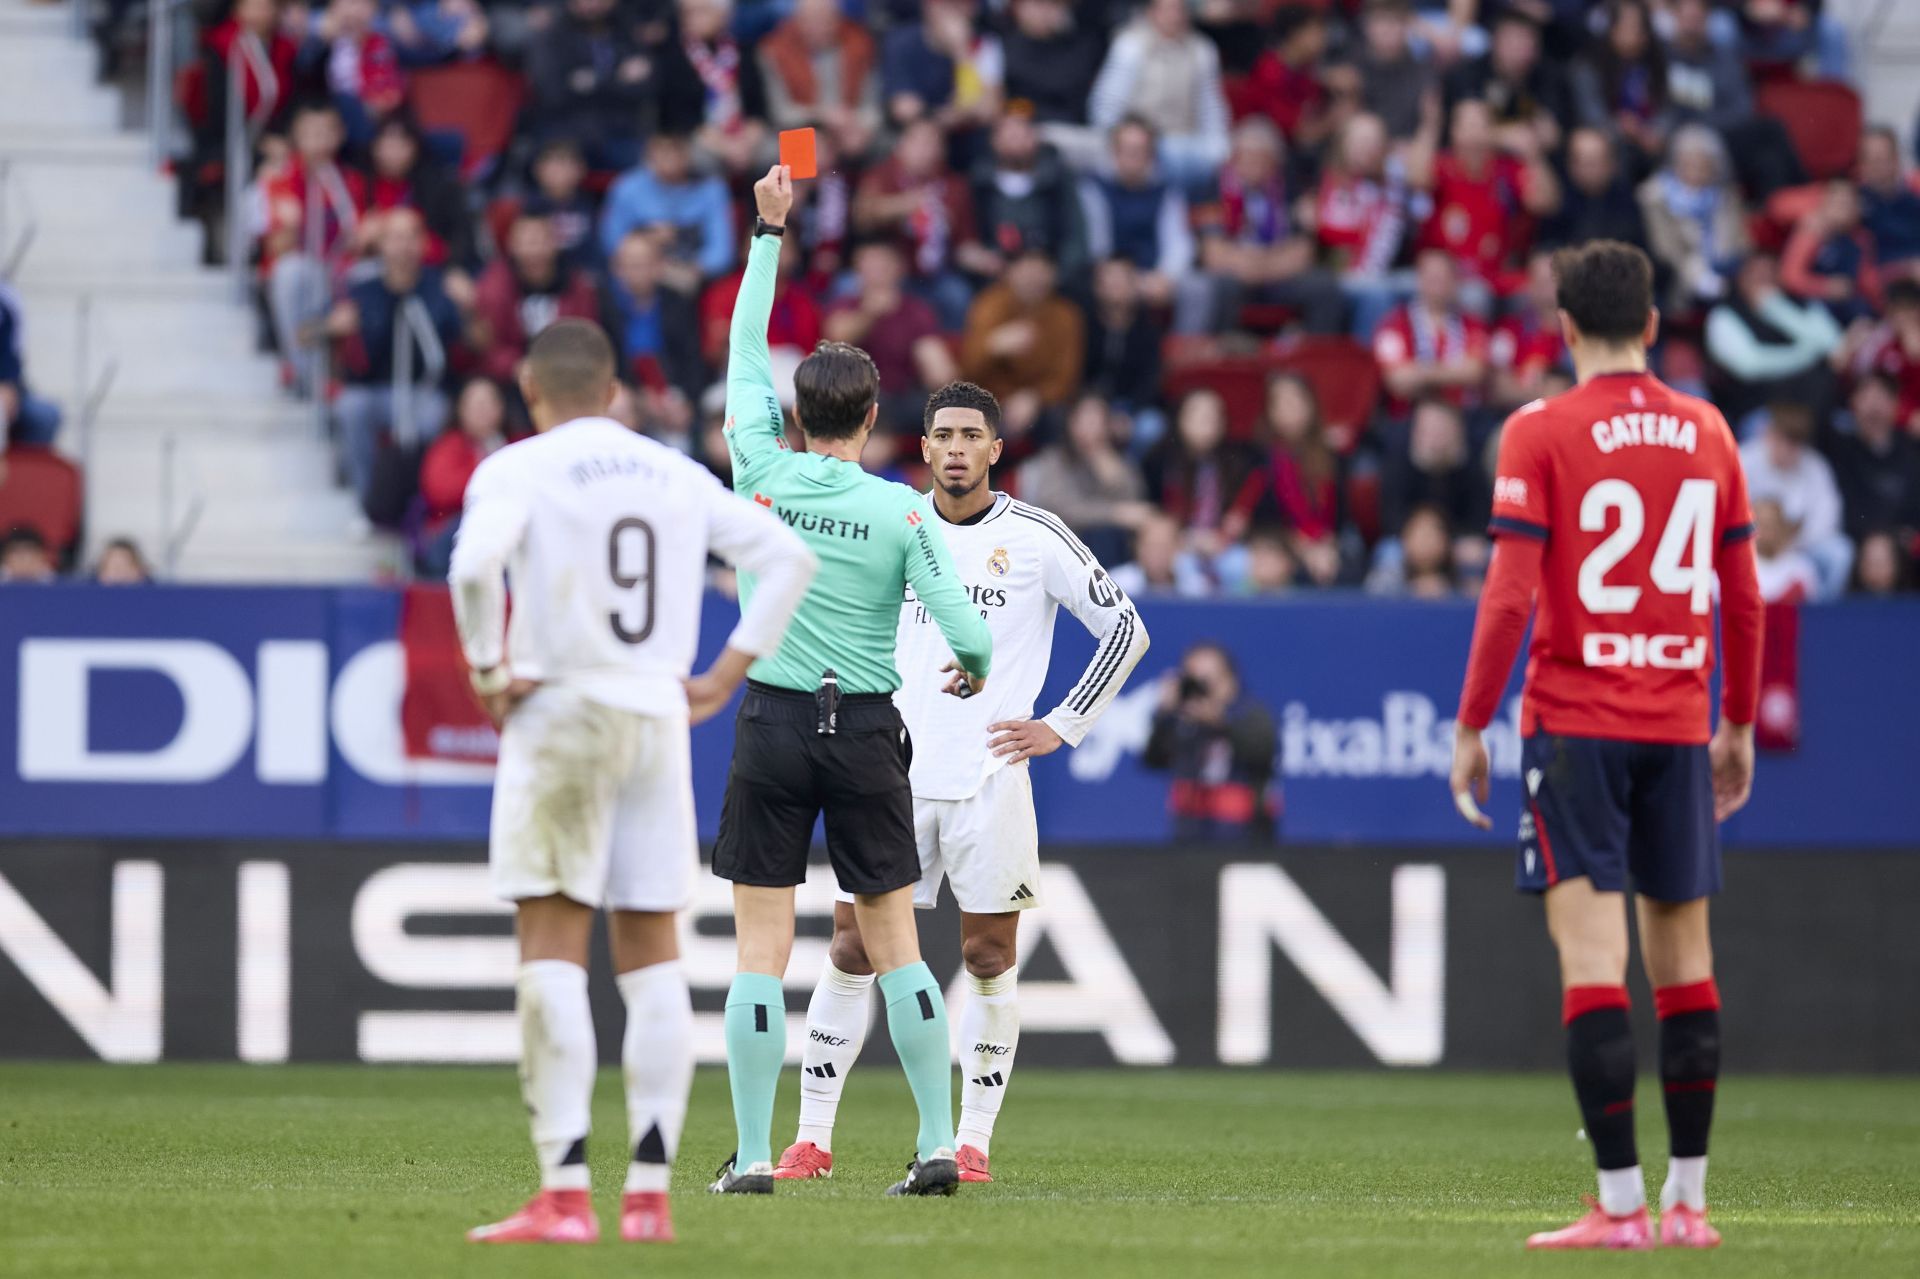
998 563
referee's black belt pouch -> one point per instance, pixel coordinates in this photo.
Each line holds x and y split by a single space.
858 711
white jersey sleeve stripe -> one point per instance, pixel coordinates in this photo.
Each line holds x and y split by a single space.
1100 674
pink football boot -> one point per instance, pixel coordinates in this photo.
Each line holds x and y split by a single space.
644 1217
1633 1232
552 1216
1684 1227
973 1164
803 1161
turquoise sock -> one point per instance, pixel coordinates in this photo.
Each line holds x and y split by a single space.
917 1020
756 1022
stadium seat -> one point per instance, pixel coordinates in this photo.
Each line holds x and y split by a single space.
479 101
42 491
1345 379
1822 118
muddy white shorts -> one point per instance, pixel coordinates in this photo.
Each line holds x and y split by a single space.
986 846
594 803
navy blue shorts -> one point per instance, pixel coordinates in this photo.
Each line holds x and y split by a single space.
1617 811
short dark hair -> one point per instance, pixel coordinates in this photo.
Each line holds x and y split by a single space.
22 535
572 364
1792 419
963 395
1607 287
1902 292
833 390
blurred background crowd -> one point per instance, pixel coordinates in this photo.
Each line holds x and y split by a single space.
1256 283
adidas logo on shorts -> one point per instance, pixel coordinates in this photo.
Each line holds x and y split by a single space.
1022 893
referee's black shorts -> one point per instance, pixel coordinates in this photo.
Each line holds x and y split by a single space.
785 774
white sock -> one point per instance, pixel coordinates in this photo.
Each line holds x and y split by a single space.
837 1019
656 1060
1622 1190
989 1032
556 1067
1686 1183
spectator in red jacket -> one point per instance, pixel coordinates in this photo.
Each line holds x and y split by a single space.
1483 198
1285 85
913 196
523 291
1432 345
900 331
1363 213
358 63
1526 346
795 325
479 427
405 176
255 31
1830 256
302 258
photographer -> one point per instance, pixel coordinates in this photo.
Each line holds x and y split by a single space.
1219 744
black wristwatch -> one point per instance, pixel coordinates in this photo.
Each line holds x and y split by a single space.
763 227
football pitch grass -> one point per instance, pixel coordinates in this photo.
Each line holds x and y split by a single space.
189 1170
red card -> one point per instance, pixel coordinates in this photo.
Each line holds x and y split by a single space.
796 152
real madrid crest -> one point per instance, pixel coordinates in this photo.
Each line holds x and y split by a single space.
998 563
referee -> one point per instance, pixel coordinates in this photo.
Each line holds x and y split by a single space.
818 730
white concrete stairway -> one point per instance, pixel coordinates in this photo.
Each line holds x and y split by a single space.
190 393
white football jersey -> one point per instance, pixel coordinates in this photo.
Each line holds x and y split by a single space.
1019 564
604 535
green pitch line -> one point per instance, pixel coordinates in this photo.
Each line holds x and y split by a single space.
220 1171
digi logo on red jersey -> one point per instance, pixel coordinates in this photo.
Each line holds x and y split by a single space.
1509 490
1658 652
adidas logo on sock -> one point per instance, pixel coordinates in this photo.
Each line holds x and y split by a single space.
1022 893
824 1070
995 1080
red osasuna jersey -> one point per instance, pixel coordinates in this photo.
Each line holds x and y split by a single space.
1635 491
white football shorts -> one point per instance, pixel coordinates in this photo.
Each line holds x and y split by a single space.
986 846
594 803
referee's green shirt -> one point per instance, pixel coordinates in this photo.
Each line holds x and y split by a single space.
873 537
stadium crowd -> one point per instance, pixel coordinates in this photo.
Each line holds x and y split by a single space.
1160 233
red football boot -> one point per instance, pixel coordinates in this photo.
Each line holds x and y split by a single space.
1633 1232
552 1216
644 1217
973 1164
803 1161
1684 1227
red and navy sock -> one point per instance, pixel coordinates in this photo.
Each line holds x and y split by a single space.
1689 1061
1600 1058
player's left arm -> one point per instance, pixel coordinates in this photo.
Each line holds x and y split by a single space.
1075 579
491 526
1742 623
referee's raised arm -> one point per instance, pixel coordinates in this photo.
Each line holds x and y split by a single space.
755 429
